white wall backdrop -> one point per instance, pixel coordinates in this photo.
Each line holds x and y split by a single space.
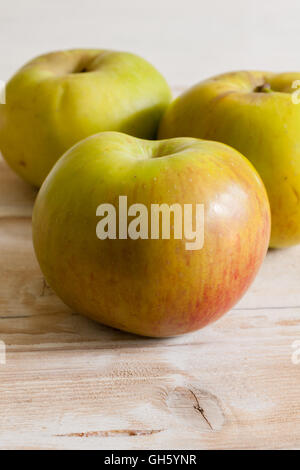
187 40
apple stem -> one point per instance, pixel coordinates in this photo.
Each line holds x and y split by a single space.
265 88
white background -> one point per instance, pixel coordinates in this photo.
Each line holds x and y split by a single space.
186 40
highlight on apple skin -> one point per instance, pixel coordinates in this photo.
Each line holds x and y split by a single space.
253 112
62 97
151 287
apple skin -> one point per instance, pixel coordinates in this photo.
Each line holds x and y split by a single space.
60 98
264 126
151 287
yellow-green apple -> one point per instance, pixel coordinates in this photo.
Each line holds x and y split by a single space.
60 98
253 112
113 265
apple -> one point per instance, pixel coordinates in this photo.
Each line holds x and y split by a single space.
60 98
126 276
253 112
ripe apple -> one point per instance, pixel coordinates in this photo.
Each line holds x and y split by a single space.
60 98
254 113
143 284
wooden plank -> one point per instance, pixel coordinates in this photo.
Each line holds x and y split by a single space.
193 396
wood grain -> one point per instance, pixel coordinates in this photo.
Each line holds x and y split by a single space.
69 383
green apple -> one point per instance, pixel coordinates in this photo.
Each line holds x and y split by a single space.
129 276
60 98
253 112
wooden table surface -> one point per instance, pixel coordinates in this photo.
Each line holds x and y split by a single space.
69 383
